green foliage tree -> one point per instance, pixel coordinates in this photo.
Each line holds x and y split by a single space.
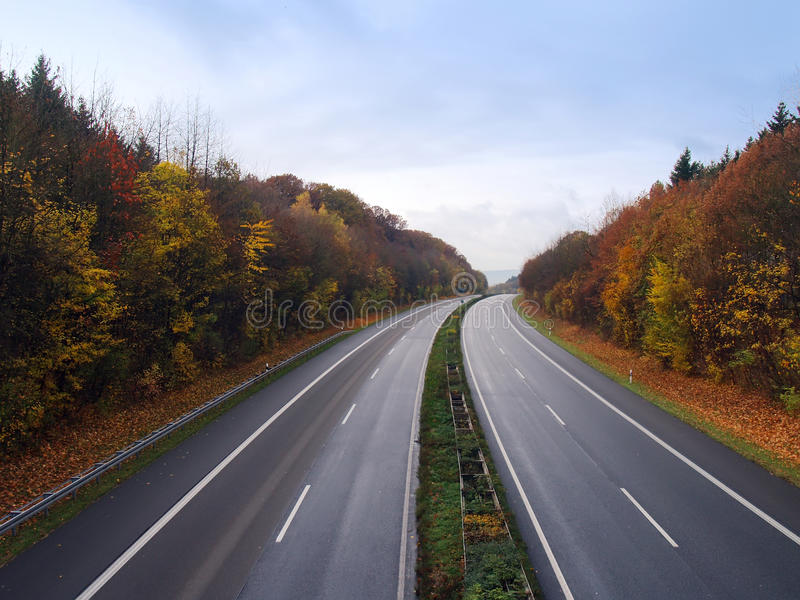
685 169
780 119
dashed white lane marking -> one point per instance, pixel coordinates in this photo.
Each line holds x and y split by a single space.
649 518
148 535
289 520
349 412
684 459
555 415
529 509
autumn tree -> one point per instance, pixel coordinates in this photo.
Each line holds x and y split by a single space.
704 274
667 332
122 272
171 274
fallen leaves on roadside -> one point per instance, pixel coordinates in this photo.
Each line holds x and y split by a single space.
747 414
94 434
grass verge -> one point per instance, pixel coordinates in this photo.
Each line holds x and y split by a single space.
440 556
758 454
41 526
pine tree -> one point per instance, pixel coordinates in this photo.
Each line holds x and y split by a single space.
780 119
726 157
46 96
685 169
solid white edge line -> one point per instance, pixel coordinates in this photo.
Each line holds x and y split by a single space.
375 372
687 461
521 376
349 412
539 531
401 574
126 556
290 518
649 518
555 415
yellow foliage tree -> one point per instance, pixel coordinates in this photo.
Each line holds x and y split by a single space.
618 296
172 271
259 238
667 332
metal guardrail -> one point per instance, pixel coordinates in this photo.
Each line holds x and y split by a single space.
12 520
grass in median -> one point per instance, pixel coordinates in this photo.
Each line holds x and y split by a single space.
440 557
41 526
758 454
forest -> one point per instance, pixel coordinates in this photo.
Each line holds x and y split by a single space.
702 273
131 248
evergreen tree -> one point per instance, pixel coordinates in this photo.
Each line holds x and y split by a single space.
780 119
726 157
685 169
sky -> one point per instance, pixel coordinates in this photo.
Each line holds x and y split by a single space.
495 126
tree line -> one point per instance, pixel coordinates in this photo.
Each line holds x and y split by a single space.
127 260
702 273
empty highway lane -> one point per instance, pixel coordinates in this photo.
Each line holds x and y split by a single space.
615 498
312 474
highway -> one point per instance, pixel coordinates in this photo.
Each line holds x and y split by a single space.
614 497
303 490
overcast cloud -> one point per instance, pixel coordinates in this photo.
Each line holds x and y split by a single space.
496 126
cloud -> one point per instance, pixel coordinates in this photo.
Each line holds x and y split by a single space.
494 127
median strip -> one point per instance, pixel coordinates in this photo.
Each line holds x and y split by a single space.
466 549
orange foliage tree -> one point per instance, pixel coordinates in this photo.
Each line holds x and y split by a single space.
703 274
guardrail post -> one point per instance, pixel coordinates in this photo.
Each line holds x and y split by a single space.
47 509
14 529
75 491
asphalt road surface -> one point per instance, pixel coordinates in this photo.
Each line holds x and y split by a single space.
615 498
304 490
